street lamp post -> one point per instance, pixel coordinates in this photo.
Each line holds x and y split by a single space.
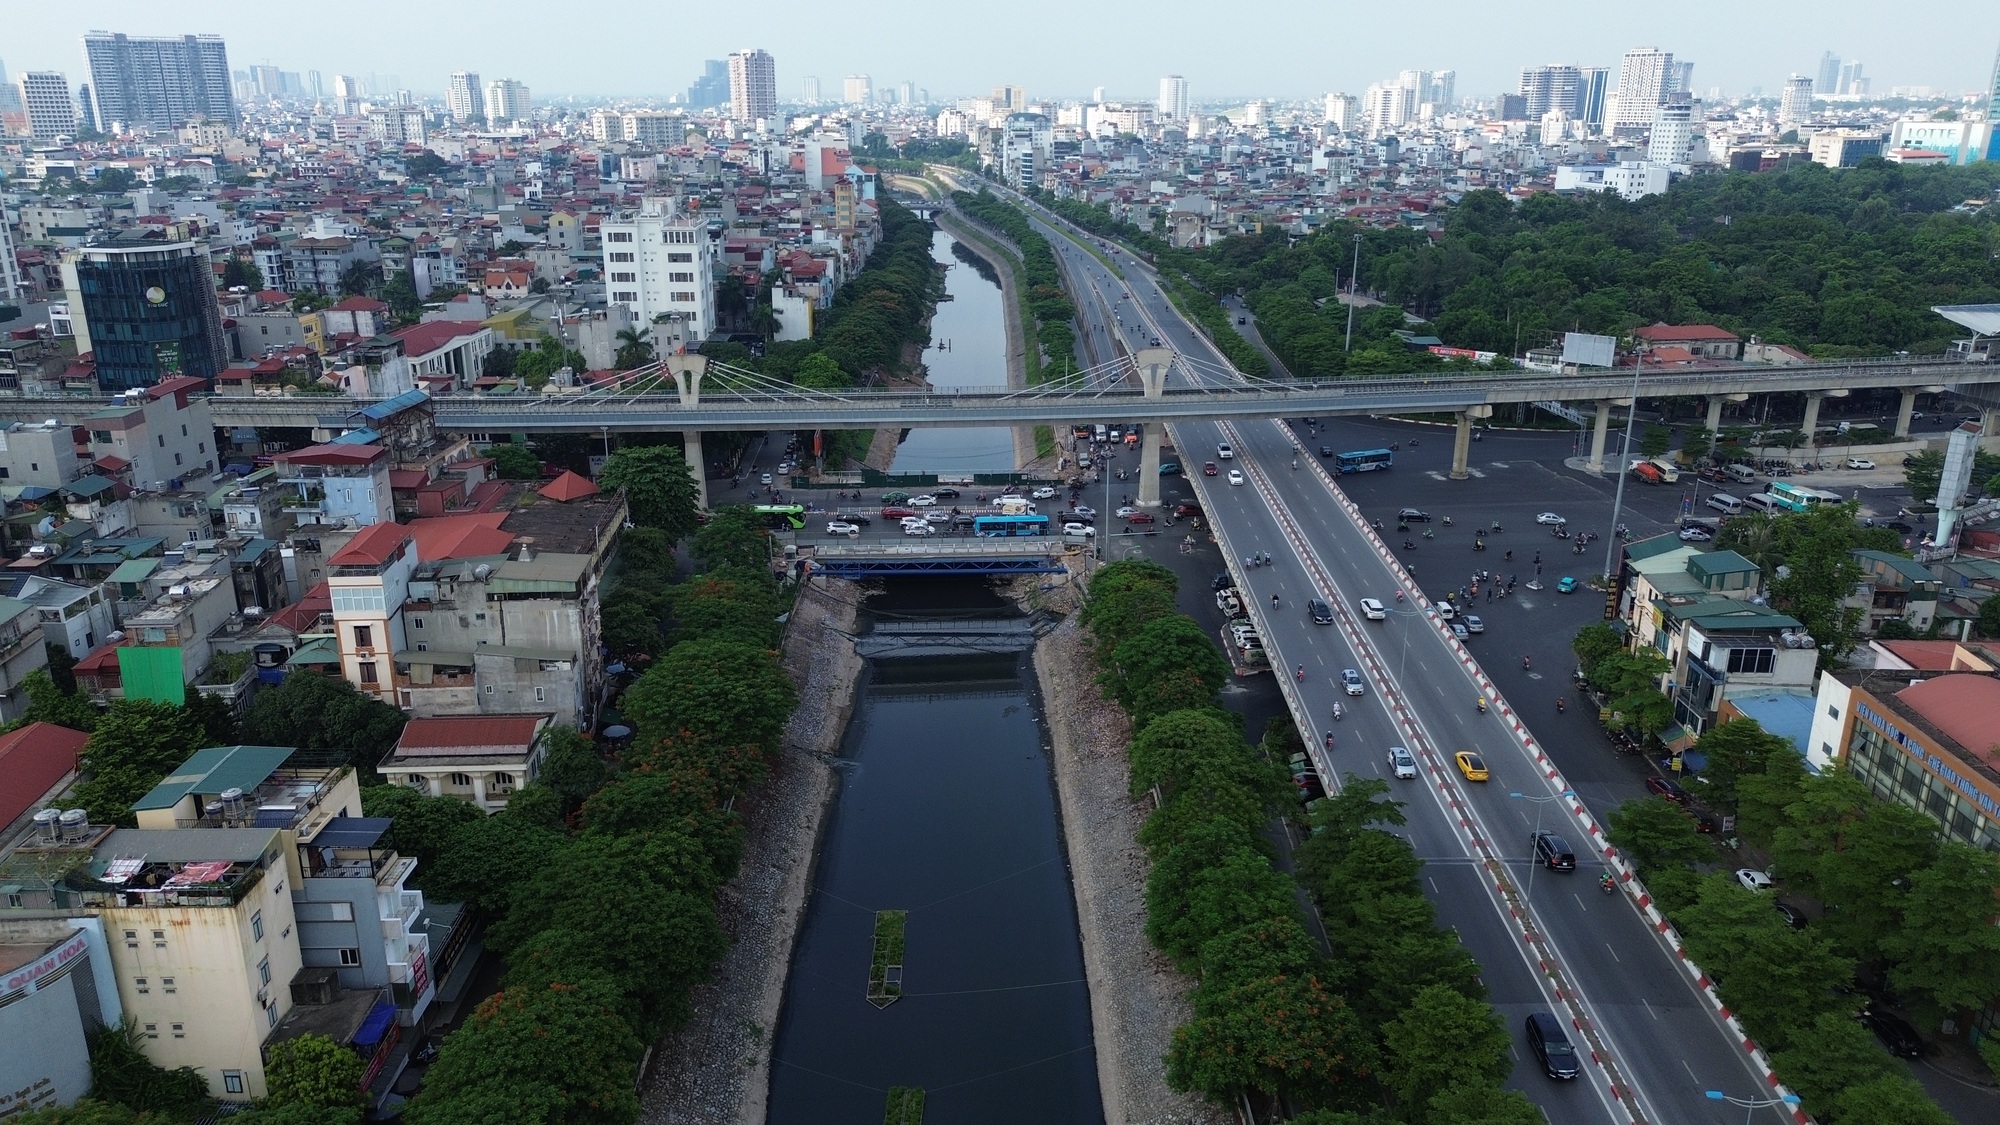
1624 470
1539 802
1353 276
1750 1105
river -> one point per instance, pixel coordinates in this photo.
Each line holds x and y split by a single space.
946 809
972 325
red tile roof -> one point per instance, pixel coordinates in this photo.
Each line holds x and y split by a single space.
569 486
361 304
1663 332
1961 705
450 734
373 546
302 613
461 537
423 339
33 760
334 455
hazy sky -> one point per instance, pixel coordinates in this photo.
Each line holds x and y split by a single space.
1279 48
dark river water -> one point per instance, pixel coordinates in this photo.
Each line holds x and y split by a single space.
946 809
972 324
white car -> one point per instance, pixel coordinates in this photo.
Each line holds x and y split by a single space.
1235 477
1224 451
1126 512
1473 624
1043 493
765 479
842 527
1401 764
937 515
1373 610
1753 879
1860 463
1084 511
1446 611
1078 529
1550 519
919 528
922 501
1350 682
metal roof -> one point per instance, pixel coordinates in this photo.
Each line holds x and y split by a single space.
389 407
352 832
178 845
1984 320
215 769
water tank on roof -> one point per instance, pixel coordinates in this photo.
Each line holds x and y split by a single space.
232 802
482 572
48 826
75 825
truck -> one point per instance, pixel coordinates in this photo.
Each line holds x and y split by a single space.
1648 472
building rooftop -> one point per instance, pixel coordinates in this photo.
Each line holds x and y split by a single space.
216 770
1963 705
334 455
375 545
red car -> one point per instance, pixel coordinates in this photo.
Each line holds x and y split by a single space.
1208 469
1139 517
1667 788
1187 509
897 513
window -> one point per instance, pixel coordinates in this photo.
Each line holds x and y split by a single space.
415 779
619 236
503 779
159 939
162 439
166 984
625 277
682 298
232 1081
179 1030
679 257
422 647
624 297
463 780
139 985
621 256
131 939
350 956
152 1031
541 695
256 928
358 599
368 672
489 689
1752 660
364 636
102 437
264 971
416 622
184 431
177 458
271 1015
681 277
1832 712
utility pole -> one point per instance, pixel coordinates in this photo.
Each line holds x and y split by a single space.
1353 276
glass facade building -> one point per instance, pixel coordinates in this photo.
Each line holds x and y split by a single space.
150 310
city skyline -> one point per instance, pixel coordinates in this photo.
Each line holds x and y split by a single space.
1731 47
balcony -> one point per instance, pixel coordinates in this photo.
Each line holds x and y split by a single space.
304 502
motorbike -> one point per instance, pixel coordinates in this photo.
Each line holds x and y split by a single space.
1482 705
1447 521
1527 663
1559 532
1479 544
1607 884
1560 705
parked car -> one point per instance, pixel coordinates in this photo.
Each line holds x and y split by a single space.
1235 477
1187 508
1473 624
1696 535
1209 468
1668 788
1169 468
1447 611
764 480
1753 879
1471 765
1896 1034
842 527
1401 764
1458 631
1860 463
1566 586
1222 581
1550 519
919 529
1793 917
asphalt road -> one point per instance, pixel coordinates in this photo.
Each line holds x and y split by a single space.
1659 1033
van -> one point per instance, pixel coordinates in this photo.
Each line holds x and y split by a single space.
1014 506
1553 852
1102 432
1725 503
1551 1045
1741 473
1761 502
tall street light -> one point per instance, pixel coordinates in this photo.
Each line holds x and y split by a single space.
1624 470
1353 276
1750 1105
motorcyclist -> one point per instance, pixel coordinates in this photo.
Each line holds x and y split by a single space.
1329 740
1527 662
1339 712
1274 605
1409 545
1560 705
1482 705
1607 881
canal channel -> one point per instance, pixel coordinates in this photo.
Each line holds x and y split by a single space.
946 809
968 348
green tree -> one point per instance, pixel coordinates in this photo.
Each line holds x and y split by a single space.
1287 1035
1657 834
1923 474
819 372
635 348
571 765
1175 749
479 860
1989 617
1445 1037
135 745
1655 441
514 462
405 304
1631 680
114 181
121 1074
242 272
1170 663
732 537
742 604
1207 882
314 1070
48 703
360 279
425 165
1466 1103
631 629
1946 948
1855 853
714 688
1595 643
1776 979
658 486
422 825
1827 1057
1735 749
315 712
558 1053
1894 1099
212 713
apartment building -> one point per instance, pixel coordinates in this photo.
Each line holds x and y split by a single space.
75 617
156 435
464 97
660 262
481 759
21 654
158 82
336 485
369 581
753 86
506 101
51 109
41 454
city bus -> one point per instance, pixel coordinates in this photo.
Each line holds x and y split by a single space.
783 516
1365 460
1798 497
996 526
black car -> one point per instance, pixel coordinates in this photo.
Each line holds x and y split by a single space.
946 493
1553 852
1322 614
1899 527
1898 1036
1221 581
1791 914
1326 451
1551 1045
1413 515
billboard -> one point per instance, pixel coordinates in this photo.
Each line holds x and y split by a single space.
1586 350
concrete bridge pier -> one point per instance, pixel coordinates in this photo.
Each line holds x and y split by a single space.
1597 432
697 466
1813 400
1153 364
1149 465
1909 407
1714 423
1461 440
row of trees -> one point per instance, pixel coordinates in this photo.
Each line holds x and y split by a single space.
602 876
1809 568
1900 906
1041 279
1392 1025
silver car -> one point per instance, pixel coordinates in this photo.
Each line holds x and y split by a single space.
1401 764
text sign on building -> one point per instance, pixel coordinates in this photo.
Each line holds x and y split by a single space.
53 961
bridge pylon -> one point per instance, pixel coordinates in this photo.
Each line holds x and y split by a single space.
1153 364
